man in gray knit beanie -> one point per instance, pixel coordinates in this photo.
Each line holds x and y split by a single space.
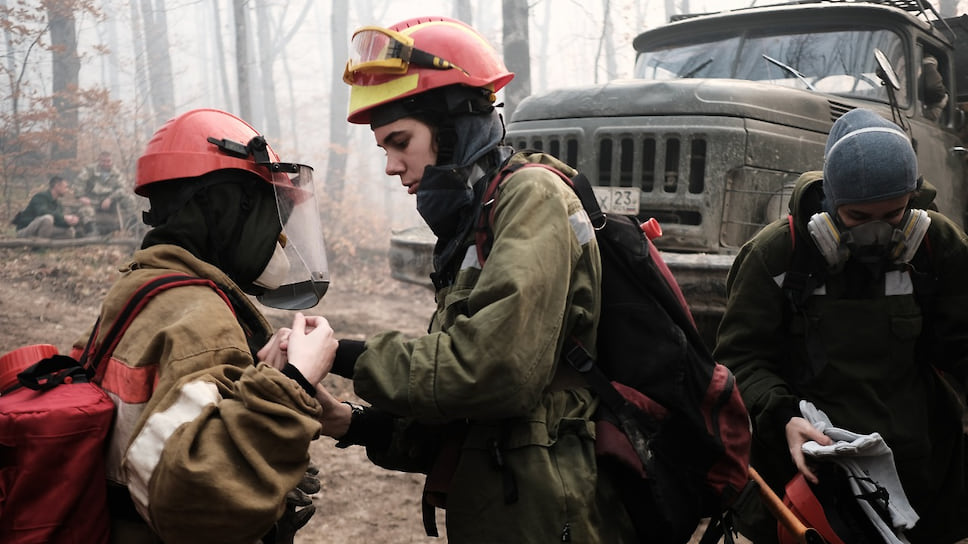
869 337
867 159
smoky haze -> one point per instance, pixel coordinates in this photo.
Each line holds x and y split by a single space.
275 63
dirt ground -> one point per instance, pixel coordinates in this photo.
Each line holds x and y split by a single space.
52 296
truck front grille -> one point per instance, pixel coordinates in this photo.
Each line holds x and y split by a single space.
652 164
669 169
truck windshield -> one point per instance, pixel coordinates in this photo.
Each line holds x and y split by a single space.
836 62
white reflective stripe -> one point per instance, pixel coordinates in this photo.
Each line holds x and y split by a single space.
898 282
582 225
126 417
145 452
860 131
822 290
470 259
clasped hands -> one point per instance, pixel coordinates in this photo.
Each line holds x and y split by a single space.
310 346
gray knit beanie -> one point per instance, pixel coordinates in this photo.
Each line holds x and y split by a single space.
867 159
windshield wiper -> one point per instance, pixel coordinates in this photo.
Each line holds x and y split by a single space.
792 70
693 72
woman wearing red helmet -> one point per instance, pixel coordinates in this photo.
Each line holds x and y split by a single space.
206 443
485 379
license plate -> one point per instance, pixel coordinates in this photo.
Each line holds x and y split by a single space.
618 200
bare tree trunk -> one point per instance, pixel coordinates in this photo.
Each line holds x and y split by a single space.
463 11
948 8
605 41
66 70
12 76
670 8
267 59
220 55
108 34
544 45
517 53
159 61
242 59
339 95
142 92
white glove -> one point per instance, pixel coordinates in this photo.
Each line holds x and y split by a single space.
869 463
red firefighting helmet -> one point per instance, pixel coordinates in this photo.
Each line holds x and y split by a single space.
205 140
415 56
800 499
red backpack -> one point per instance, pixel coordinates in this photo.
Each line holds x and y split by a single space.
672 430
54 424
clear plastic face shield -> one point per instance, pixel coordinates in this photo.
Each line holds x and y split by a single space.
377 50
299 271
301 242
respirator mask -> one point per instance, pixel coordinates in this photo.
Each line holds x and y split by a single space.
873 242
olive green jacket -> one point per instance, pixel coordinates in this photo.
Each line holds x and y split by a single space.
207 443
491 358
42 203
879 362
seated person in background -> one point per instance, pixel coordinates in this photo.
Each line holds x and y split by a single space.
44 215
104 189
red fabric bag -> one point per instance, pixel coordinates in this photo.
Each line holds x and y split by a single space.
52 484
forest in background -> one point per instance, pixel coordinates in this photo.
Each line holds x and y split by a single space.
82 76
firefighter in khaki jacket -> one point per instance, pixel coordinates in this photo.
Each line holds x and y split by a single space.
206 442
486 378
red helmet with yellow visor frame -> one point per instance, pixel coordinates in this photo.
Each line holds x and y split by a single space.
415 56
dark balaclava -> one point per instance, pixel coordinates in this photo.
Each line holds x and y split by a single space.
469 131
227 218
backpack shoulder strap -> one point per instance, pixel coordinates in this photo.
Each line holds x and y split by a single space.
806 272
484 236
130 310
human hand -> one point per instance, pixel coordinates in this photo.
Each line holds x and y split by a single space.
106 203
86 201
274 353
71 219
311 346
337 415
799 431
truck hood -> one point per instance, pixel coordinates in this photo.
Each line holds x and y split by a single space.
726 97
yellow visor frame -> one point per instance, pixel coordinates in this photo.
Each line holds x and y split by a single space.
378 50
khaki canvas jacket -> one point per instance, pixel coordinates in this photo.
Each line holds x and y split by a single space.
882 357
490 361
207 443
99 185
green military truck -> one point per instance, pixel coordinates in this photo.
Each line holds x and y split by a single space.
725 111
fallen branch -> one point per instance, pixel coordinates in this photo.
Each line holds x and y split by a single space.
69 242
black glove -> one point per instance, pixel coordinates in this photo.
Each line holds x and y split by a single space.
346 355
299 508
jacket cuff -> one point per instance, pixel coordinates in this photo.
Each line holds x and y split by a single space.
368 427
293 373
347 353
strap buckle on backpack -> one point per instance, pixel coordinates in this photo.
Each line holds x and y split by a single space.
577 356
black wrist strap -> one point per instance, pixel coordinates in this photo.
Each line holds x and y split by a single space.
297 376
368 427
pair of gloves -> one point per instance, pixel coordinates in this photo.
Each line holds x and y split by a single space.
299 508
869 464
